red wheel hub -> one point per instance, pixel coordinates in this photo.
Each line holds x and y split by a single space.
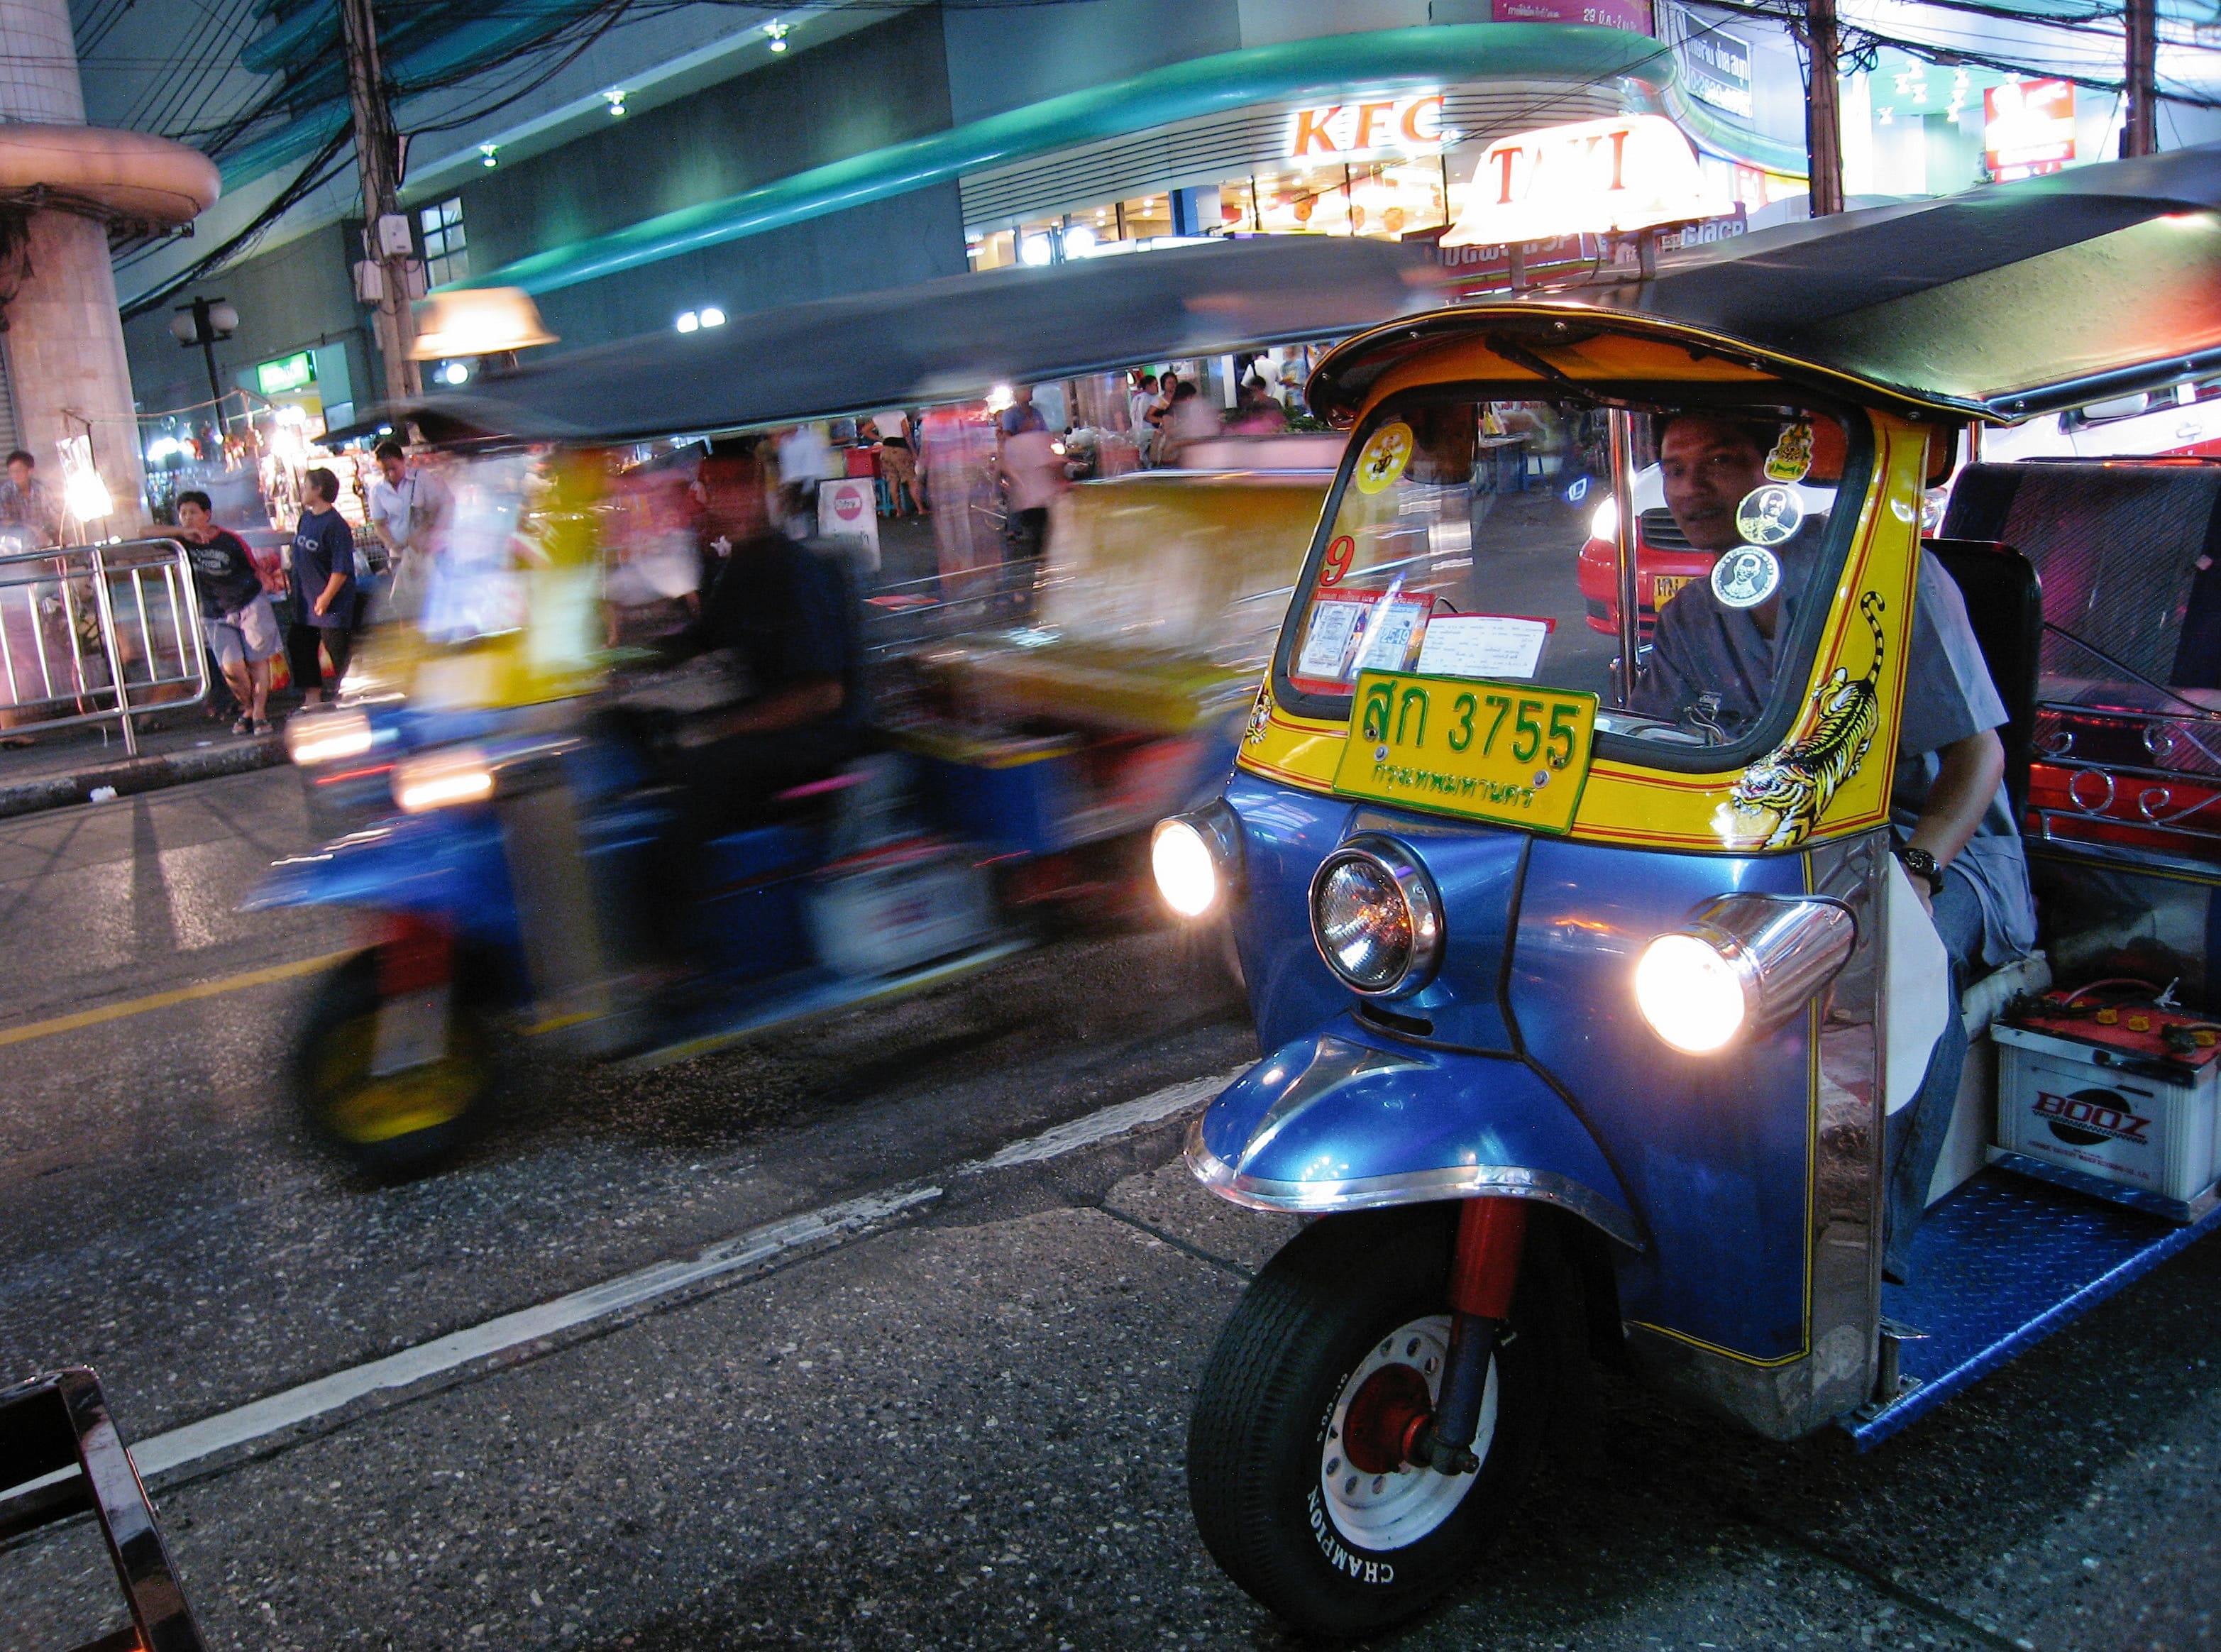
1385 1417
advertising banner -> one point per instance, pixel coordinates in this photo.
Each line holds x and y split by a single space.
2028 129
1634 16
1715 69
849 508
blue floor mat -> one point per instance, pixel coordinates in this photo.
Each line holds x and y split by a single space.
1999 1266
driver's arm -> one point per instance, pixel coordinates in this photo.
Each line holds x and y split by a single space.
1967 774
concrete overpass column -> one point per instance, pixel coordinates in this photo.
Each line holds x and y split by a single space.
64 339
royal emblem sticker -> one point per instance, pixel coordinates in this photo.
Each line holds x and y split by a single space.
1386 452
1769 514
1791 458
1746 576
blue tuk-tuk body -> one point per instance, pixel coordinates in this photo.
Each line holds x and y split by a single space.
1604 1043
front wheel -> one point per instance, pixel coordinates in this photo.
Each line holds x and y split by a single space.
394 1123
1297 1493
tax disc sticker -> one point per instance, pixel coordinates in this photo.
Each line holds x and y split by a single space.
1791 458
1768 515
1746 576
1385 456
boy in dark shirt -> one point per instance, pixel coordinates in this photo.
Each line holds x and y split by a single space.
237 622
323 589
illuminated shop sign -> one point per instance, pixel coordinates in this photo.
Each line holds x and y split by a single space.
289 373
1591 178
2028 129
1378 126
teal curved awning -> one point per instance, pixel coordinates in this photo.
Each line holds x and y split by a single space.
1334 67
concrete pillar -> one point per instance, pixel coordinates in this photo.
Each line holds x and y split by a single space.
63 341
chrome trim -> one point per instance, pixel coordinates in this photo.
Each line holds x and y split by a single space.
1782 949
1412 1187
1837 1370
1409 876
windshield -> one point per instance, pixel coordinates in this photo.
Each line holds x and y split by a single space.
1475 538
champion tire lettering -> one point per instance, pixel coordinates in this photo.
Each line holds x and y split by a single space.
1268 1396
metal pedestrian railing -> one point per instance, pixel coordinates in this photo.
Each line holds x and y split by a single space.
99 633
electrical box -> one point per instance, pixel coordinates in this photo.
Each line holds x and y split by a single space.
394 240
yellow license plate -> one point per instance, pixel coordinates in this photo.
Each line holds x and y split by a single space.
1508 752
1663 587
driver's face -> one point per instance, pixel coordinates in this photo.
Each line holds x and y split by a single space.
1707 467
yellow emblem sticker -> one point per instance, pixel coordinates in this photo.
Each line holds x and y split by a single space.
1386 453
1508 752
1791 458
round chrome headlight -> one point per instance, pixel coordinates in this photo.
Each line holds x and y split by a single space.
1376 917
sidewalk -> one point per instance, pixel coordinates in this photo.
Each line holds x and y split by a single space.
68 764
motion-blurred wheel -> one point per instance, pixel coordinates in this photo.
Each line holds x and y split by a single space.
396 1123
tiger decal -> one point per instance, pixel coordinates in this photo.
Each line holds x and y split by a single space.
1261 716
1781 798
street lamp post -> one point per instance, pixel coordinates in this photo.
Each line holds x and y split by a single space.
203 323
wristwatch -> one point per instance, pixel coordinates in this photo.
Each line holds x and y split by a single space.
1921 863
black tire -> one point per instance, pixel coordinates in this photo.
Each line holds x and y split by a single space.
393 1126
1260 1442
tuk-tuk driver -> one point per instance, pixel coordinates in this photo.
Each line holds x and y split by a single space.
1954 828
778 615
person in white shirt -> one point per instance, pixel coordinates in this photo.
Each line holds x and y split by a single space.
1033 467
409 507
1144 397
805 458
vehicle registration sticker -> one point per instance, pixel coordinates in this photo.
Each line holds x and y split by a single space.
1507 752
1664 588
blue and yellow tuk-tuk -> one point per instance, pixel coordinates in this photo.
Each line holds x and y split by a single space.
1590 969
498 812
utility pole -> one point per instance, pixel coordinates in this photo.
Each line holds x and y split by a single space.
378 152
1823 114
2140 129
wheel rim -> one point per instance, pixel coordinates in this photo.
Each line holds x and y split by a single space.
1396 1507
367 1110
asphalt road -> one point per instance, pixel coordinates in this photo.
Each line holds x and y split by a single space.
953 1420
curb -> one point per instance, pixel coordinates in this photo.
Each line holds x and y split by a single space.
140 774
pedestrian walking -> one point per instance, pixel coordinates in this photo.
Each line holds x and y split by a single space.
323 585
238 625
408 508
899 463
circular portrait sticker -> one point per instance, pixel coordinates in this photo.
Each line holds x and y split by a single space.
1768 515
1386 454
1745 576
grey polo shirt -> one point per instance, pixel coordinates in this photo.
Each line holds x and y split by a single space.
1702 646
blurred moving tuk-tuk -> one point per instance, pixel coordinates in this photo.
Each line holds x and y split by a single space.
1593 984
493 821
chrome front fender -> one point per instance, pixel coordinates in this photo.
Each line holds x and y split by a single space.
1341 1121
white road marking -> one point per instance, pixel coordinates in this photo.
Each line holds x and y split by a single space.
182 1448
1109 1122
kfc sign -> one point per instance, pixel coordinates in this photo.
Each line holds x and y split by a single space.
1592 177
1340 131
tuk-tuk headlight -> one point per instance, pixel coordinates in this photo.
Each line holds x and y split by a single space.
1195 857
1745 965
442 779
1376 917
327 736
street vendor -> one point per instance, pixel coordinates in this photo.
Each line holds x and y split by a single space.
1713 665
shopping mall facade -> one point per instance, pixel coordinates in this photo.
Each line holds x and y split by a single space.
675 181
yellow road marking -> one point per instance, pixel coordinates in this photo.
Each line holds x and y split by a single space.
29 1031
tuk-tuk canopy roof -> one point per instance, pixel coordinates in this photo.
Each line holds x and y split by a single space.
2004 301
948 340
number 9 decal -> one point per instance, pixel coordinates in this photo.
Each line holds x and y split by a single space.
1340 554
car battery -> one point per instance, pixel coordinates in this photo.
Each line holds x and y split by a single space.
2126 1094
